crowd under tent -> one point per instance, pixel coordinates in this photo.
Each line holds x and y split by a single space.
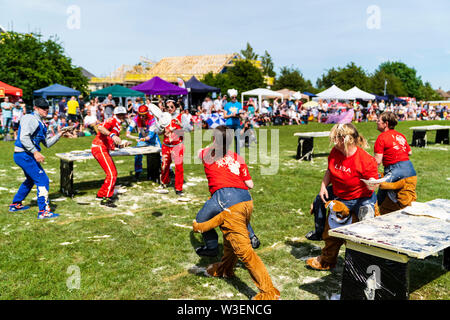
261 93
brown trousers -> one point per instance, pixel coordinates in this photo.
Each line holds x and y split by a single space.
332 244
233 223
406 194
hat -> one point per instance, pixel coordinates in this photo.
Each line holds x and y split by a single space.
41 103
120 110
232 92
143 109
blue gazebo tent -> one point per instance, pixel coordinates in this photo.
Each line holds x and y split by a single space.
56 90
309 94
379 98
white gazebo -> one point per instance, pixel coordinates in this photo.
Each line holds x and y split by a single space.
260 93
357 93
334 93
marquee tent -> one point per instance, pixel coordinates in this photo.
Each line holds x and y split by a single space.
291 94
379 98
356 93
117 91
335 93
158 86
309 94
261 92
56 90
7 90
196 86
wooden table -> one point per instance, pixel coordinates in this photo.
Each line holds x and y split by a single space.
305 146
67 160
378 249
420 135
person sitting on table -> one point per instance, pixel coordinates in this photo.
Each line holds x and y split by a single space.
348 163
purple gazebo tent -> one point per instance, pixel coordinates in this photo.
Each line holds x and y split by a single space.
159 87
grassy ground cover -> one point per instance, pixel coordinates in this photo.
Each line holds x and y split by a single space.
144 248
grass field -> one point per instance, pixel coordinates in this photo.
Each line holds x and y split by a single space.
144 248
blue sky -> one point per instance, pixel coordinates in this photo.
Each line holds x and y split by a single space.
310 35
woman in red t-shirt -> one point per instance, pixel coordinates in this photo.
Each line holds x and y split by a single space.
348 163
230 207
392 150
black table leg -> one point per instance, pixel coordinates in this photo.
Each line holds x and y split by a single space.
66 177
419 139
367 277
153 166
446 262
442 136
305 148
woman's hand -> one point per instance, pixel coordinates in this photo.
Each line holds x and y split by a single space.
323 193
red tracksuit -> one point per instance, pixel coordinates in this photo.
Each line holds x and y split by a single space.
173 148
100 150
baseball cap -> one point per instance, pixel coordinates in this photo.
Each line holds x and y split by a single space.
120 110
41 103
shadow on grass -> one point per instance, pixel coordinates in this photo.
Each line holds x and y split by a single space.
325 286
239 285
314 156
422 272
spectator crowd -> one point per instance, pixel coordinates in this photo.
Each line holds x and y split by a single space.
87 115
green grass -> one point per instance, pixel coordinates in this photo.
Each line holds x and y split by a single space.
141 250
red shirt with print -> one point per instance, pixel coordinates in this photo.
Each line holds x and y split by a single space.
113 126
228 172
170 132
393 146
346 173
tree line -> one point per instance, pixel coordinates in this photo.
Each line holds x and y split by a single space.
30 63
400 79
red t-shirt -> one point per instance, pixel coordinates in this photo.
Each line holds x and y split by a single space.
393 146
228 172
113 126
170 133
346 173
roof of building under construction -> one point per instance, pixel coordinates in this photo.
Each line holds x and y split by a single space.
170 68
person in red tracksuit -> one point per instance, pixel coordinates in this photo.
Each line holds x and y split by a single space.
106 140
173 149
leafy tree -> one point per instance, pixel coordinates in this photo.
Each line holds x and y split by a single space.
248 53
426 92
410 80
220 80
394 85
291 78
345 78
242 76
245 76
267 64
28 62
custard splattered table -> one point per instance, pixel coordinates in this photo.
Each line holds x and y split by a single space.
305 146
67 159
378 250
420 135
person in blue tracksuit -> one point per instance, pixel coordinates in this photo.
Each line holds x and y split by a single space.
145 123
27 155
